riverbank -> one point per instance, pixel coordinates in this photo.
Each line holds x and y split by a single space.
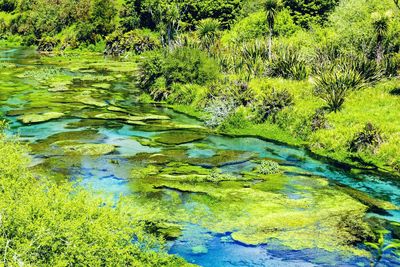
378 104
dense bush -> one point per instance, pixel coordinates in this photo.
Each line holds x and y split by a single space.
335 84
287 63
273 102
182 65
369 138
306 13
218 110
8 5
136 41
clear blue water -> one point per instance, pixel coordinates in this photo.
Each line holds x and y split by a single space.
211 249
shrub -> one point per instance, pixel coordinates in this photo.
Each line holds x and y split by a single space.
319 121
136 41
218 110
273 102
181 66
183 93
369 138
189 65
253 55
150 68
334 85
287 63
47 44
268 167
239 119
208 31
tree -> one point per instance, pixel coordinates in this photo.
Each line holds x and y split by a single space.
207 30
306 12
129 16
271 8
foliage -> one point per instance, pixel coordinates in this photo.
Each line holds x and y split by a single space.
334 85
268 167
208 30
218 110
130 19
319 120
273 102
181 65
306 13
369 138
8 5
136 41
288 64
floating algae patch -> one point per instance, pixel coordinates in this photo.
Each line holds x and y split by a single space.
40 117
178 137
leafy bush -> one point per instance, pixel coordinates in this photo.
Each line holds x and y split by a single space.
208 31
137 41
287 63
150 68
218 110
273 102
184 93
238 119
189 65
47 44
334 85
319 121
369 138
307 13
268 167
182 65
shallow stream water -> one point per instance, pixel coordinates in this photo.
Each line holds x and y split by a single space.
97 103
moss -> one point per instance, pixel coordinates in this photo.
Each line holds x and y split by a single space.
40 117
178 137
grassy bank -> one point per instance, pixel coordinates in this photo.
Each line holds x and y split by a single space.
378 104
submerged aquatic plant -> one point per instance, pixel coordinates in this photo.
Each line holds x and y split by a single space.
268 167
381 246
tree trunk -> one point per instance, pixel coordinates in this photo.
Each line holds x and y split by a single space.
270 44
379 51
